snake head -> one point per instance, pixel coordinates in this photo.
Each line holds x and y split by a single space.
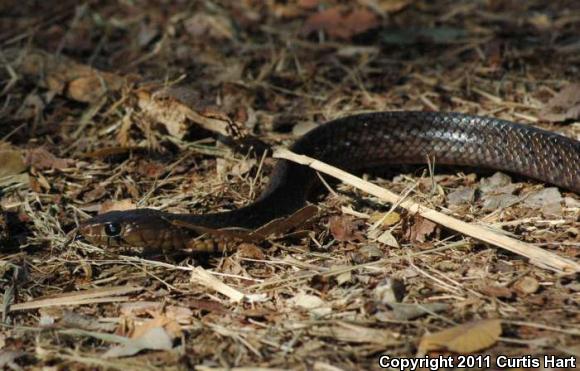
146 228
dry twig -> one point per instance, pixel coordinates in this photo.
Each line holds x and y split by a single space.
537 256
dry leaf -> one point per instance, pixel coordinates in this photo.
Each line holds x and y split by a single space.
32 107
407 312
526 285
541 21
168 112
389 291
355 334
497 291
344 277
156 334
463 339
180 314
367 253
461 196
563 106
169 324
387 219
280 226
86 88
388 239
311 303
308 4
155 339
303 127
498 192
151 169
62 318
306 301
140 307
205 25
339 23
12 162
549 200
420 229
250 251
40 158
65 76
344 228
391 6
171 108
120 205
494 182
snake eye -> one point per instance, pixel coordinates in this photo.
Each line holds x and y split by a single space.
113 229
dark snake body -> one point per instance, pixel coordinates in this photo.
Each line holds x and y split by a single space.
365 141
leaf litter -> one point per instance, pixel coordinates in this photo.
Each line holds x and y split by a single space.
131 115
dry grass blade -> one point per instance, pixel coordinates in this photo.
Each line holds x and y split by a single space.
200 276
537 256
101 295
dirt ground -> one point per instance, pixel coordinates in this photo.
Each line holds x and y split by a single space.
125 104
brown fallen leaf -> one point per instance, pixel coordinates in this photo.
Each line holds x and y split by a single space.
40 158
308 4
498 192
169 324
63 75
281 226
171 107
140 307
153 339
385 219
209 25
549 200
493 183
498 291
389 290
12 162
350 333
111 151
340 23
420 229
120 205
390 6
94 194
467 338
58 317
345 228
563 106
461 196
250 251
168 112
526 285
156 334
407 312
388 239
367 253
308 302
151 169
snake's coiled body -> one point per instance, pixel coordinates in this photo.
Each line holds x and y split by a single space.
364 141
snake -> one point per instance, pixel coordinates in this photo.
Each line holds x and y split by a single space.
355 143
